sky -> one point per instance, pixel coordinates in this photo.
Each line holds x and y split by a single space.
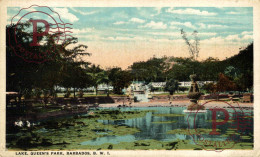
119 36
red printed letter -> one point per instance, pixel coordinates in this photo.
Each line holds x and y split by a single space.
36 34
214 118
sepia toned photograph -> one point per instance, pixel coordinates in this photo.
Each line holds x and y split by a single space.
128 78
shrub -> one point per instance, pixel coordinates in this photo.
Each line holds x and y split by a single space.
195 95
80 94
68 93
195 107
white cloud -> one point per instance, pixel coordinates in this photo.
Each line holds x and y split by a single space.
158 10
163 40
13 18
174 27
232 37
213 40
82 12
217 26
119 23
190 11
247 37
137 20
124 38
155 25
178 34
133 20
233 13
18 17
246 32
165 33
139 38
207 34
64 12
89 37
186 24
202 25
14 9
32 9
238 38
83 31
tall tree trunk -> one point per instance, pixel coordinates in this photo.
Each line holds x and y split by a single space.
96 88
107 90
74 92
54 92
96 98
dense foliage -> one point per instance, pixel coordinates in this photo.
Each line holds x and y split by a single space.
238 70
171 86
119 79
62 69
68 69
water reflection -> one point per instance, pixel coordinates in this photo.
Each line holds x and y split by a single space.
110 139
158 131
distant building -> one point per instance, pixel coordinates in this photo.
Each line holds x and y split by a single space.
139 91
101 87
188 83
181 84
105 87
158 84
137 85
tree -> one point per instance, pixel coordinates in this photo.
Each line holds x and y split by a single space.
210 87
19 74
97 76
210 68
119 79
193 47
151 70
243 62
171 86
183 89
24 76
225 84
182 68
232 72
74 76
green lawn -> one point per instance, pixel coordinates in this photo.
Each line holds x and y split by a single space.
61 95
165 94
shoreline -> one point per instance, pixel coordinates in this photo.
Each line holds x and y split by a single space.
176 103
182 103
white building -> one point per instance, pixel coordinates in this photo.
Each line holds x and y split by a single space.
158 84
188 83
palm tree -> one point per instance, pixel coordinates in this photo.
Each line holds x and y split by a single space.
97 76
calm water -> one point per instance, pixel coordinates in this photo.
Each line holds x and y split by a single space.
158 131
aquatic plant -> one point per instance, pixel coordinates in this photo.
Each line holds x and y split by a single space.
169 115
163 122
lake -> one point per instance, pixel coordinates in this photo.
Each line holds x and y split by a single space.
157 125
138 128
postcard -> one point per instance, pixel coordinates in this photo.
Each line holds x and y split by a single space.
129 78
